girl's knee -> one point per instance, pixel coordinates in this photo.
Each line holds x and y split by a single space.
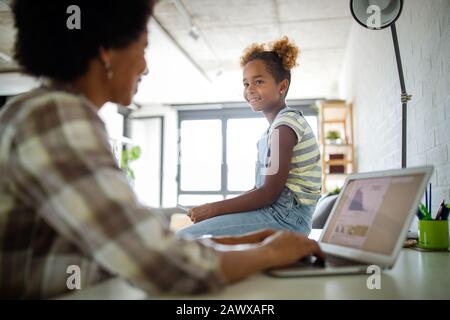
186 232
194 231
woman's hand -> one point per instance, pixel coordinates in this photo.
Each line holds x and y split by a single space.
203 212
285 248
279 249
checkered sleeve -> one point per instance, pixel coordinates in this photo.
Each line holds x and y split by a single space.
63 162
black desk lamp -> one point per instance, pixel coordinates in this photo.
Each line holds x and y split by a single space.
378 15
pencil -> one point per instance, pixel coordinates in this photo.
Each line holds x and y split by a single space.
431 203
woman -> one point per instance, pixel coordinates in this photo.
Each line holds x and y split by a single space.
63 200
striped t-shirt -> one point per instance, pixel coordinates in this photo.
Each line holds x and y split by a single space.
305 174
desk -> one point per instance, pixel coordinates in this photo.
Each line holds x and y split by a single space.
416 275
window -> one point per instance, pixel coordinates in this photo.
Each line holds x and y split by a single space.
200 155
148 134
217 152
242 136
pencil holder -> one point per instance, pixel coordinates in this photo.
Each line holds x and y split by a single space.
433 234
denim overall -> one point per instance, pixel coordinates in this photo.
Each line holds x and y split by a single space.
283 214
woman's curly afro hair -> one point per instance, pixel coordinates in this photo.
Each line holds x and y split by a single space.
45 46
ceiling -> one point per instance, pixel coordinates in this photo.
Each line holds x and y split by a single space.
225 27
220 30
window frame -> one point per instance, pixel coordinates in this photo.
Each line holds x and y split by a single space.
224 112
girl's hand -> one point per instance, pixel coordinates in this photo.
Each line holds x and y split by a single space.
202 212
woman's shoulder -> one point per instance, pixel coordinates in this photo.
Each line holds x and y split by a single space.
43 99
52 96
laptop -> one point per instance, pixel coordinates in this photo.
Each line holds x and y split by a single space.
368 223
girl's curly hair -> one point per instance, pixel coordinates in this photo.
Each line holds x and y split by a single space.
280 57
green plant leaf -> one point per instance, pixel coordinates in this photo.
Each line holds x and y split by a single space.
129 155
135 153
425 212
333 135
336 190
130 173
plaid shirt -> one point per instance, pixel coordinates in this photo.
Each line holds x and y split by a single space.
64 202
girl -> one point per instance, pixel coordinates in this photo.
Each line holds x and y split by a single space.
288 172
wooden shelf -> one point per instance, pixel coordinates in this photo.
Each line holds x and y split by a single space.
330 145
338 162
337 176
336 115
333 121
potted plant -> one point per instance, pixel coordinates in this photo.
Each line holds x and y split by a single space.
129 155
335 191
333 137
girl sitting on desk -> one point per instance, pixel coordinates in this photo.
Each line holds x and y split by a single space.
288 172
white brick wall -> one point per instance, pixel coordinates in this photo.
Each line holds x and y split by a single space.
369 78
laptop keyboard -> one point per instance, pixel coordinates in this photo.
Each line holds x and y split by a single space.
334 261
330 261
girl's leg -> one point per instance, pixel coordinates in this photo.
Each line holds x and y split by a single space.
283 214
291 215
302 223
232 224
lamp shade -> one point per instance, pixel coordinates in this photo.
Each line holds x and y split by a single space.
376 14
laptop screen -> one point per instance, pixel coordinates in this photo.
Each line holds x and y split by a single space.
372 212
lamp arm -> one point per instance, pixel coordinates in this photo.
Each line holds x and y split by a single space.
405 97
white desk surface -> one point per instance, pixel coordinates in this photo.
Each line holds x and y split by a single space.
416 275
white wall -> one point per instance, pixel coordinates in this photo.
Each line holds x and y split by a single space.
173 79
369 78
